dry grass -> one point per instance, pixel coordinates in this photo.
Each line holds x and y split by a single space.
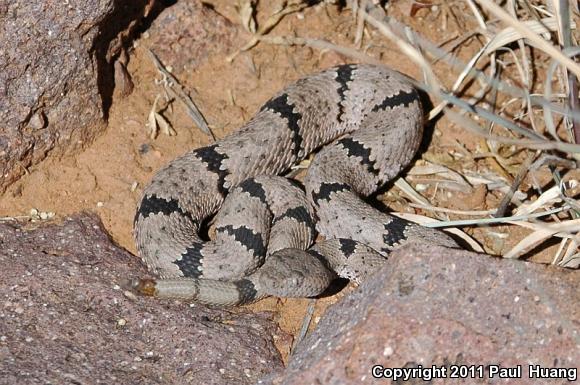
518 93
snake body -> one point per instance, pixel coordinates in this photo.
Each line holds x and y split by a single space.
368 122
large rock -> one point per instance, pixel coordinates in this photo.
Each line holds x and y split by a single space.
434 306
184 35
56 78
64 320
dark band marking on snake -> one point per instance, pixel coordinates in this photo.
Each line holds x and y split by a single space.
397 228
286 110
153 205
357 149
300 214
214 161
401 99
326 189
254 189
344 77
190 261
347 246
247 238
247 291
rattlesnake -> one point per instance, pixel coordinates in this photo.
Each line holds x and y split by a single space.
368 121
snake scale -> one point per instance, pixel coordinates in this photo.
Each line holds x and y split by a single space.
367 122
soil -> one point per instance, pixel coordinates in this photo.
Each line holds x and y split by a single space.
107 177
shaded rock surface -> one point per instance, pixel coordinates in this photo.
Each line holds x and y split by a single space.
63 319
434 306
56 76
185 34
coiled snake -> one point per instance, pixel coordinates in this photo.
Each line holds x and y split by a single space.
368 121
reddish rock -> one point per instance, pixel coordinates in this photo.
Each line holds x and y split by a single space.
184 35
64 319
434 306
56 76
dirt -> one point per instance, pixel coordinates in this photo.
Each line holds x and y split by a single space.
109 175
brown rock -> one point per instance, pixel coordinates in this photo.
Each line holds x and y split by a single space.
56 75
64 320
435 306
184 35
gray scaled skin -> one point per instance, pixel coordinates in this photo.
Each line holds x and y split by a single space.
368 122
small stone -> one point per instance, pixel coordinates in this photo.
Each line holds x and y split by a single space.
421 187
388 351
38 121
130 295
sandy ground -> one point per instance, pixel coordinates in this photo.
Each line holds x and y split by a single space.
109 175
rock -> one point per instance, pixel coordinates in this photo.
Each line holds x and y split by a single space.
64 319
184 35
435 306
56 80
